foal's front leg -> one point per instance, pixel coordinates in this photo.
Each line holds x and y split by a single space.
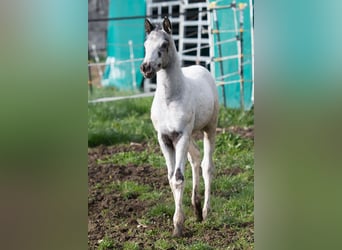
168 151
175 147
177 181
167 144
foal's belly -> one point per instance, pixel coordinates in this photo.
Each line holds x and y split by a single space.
180 120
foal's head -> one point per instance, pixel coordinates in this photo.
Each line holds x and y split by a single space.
157 48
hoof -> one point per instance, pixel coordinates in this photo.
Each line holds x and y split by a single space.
205 214
198 213
178 222
177 232
198 210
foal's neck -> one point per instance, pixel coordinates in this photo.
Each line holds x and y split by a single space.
170 81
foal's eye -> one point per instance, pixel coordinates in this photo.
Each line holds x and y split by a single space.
164 45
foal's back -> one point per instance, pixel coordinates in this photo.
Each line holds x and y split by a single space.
202 88
198 72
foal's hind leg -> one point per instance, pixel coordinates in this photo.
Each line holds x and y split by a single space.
208 166
195 161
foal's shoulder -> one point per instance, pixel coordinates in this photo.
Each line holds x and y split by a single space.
195 71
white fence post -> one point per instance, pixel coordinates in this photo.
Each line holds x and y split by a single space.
252 43
97 60
130 43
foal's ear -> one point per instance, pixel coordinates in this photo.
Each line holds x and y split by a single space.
167 25
148 26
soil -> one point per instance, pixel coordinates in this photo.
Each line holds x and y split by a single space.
112 216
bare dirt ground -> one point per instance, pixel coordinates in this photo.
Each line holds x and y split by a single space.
109 215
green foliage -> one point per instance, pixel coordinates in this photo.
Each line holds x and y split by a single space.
119 122
129 245
153 195
128 189
109 92
137 158
163 244
235 117
106 243
162 210
199 246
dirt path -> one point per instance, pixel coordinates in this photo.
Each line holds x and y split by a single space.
109 215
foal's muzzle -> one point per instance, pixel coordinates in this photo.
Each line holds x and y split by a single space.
147 70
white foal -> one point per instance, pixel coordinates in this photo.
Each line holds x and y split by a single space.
185 101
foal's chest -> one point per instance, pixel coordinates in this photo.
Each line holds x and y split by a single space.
171 117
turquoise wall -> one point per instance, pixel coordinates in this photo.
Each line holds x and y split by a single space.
119 33
226 22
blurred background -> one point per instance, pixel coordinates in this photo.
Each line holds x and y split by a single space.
215 34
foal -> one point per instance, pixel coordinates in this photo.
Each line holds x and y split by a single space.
185 101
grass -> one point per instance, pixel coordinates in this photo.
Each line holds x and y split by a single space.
234 117
162 244
118 122
161 210
136 158
232 200
128 189
106 243
129 245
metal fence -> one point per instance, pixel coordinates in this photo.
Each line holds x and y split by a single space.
194 38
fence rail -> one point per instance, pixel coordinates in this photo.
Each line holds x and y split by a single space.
185 19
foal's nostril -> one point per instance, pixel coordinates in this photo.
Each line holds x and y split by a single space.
142 67
145 67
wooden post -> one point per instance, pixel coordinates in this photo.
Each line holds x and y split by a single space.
90 81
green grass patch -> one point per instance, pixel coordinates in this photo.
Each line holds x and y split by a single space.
128 189
137 158
162 210
235 117
234 162
110 92
106 243
163 244
199 246
119 122
130 245
153 195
